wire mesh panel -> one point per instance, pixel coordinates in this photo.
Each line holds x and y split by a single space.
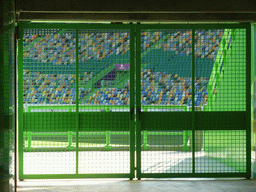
166 152
166 68
104 98
220 85
165 91
224 152
77 101
48 80
220 69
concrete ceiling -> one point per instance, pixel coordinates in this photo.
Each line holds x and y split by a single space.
137 11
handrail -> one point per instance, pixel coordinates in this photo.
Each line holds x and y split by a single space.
100 75
126 77
186 134
72 107
108 108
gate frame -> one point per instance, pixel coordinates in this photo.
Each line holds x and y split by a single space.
135 33
25 25
194 115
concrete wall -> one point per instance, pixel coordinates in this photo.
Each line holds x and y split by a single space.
7 120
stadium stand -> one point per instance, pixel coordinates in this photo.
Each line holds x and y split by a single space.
48 51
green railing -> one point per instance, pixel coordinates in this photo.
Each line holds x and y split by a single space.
186 135
72 108
107 108
101 74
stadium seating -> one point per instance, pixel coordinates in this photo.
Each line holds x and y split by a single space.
60 89
49 66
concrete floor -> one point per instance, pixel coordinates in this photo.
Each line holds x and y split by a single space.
144 185
119 162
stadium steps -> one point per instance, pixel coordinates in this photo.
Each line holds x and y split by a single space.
127 76
95 79
101 74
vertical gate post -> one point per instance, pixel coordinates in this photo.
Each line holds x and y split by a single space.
193 100
138 101
20 104
132 94
248 101
77 104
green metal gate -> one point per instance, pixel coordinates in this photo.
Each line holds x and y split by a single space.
217 118
82 110
74 103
